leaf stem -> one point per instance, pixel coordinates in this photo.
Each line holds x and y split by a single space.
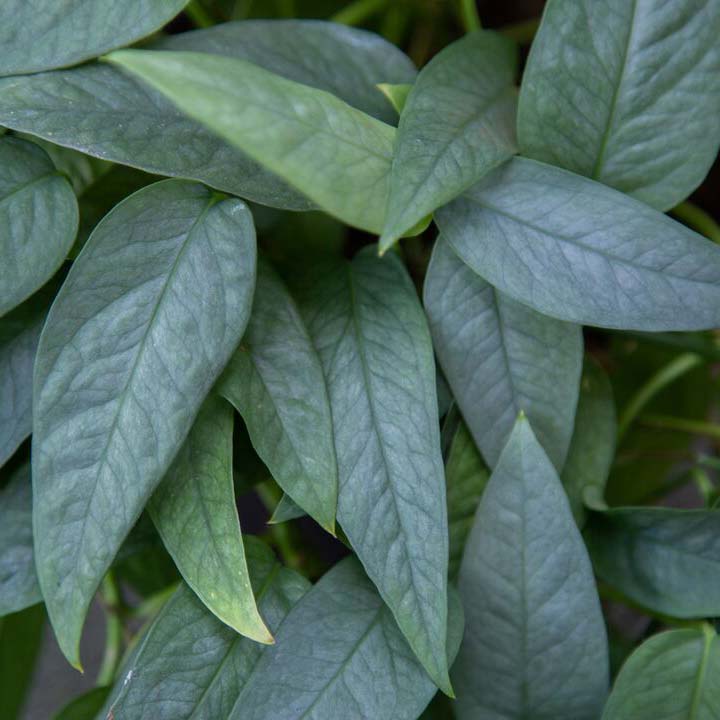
359 11
697 219
695 427
469 15
111 601
199 15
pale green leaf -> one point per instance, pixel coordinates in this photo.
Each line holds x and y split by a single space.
396 94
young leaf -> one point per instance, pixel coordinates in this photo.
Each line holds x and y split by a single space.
286 510
666 559
535 642
46 34
38 220
501 357
458 123
339 654
339 156
577 250
369 329
18 582
189 664
396 94
672 675
194 511
275 381
592 447
149 315
627 93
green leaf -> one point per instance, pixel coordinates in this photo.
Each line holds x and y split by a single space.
396 94
370 331
46 34
18 582
666 559
576 250
626 92
339 156
535 643
275 381
285 511
148 316
672 675
501 357
38 220
86 706
189 664
457 124
592 448
20 639
194 511
339 654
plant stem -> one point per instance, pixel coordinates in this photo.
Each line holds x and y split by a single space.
523 32
660 380
110 594
698 219
358 11
469 15
695 427
199 15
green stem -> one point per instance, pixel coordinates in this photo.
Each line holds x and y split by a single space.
199 15
110 594
694 427
523 32
660 380
469 15
698 219
359 11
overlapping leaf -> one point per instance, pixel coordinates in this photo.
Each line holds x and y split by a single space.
38 220
275 381
458 122
146 320
369 329
579 251
535 643
626 92
501 357
194 511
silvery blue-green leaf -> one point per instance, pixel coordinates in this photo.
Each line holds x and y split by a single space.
275 381
38 220
287 509
626 92
535 644
666 559
672 675
592 448
369 329
457 124
148 316
339 654
194 511
18 582
46 34
189 664
502 357
577 250
337 155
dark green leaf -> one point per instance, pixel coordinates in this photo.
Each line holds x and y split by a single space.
276 382
369 329
501 357
626 92
577 250
38 220
535 643
149 315
194 511
457 124
86 706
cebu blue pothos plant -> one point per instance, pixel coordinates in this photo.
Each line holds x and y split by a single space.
195 313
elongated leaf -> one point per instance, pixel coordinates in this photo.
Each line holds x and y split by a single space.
671 675
663 558
46 34
276 382
501 357
150 313
195 514
369 329
190 665
592 447
285 511
458 122
338 156
535 643
38 220
340 654
577 250
18 582
626 92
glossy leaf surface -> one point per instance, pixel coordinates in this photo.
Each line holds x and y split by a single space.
150 313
